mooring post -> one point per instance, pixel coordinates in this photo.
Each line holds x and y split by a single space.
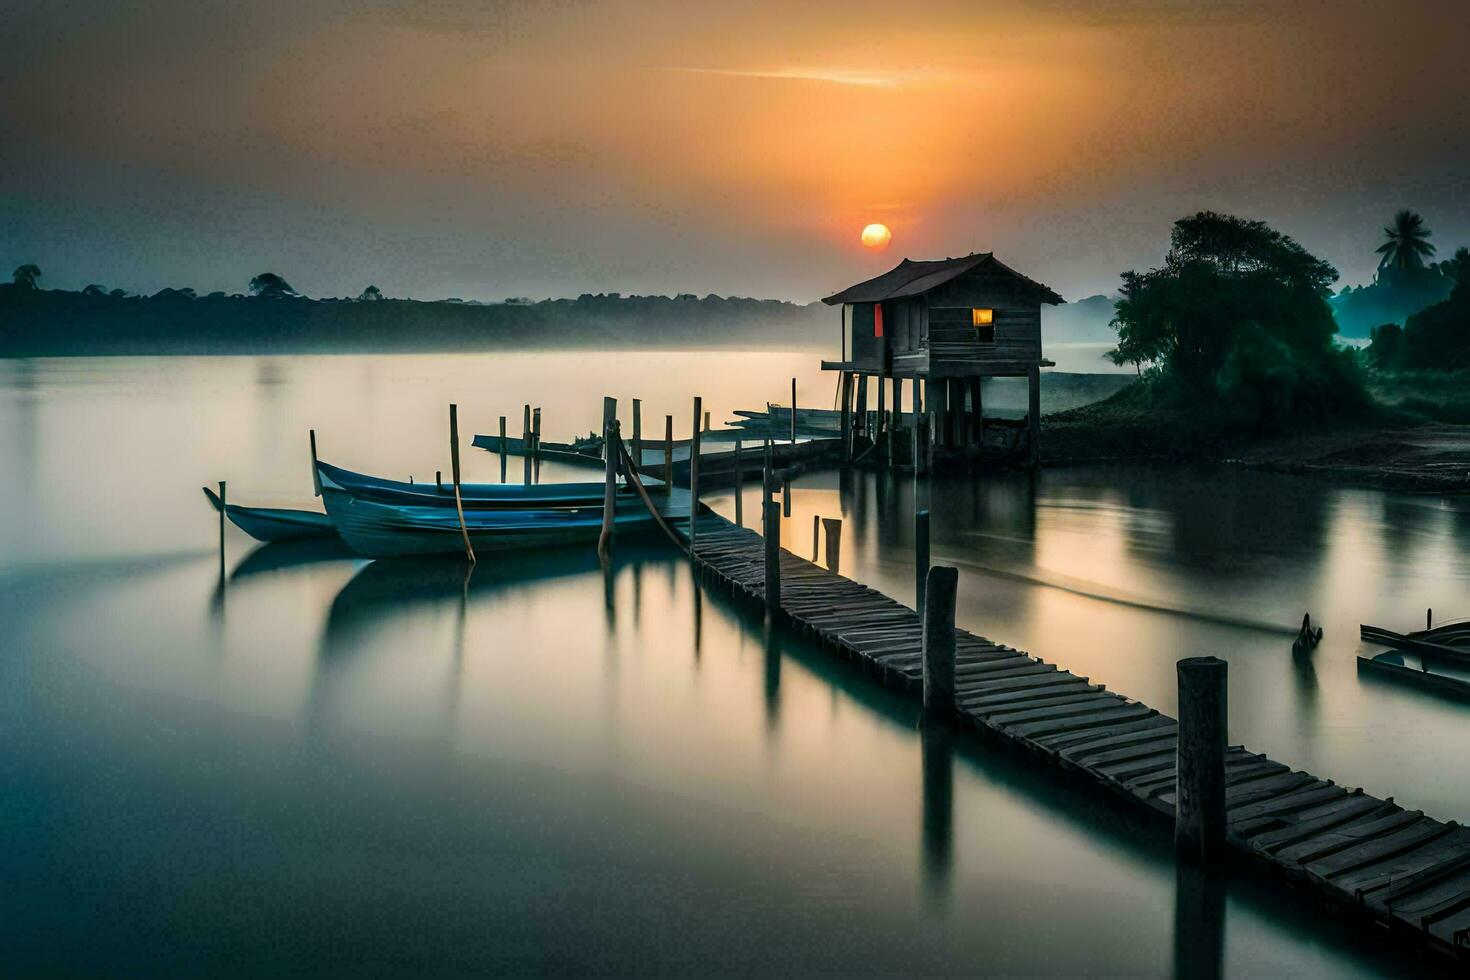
772 533
609 484
439 480
816 536
706 421
834 542
1199 814
1429 618
694 470
739 486
938 642
921 558
536 433
223 503
637 435
316 477
454 471
793 411
526 429
668 454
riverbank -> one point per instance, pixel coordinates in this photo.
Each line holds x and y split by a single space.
1391 449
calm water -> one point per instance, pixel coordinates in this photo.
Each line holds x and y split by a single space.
339 765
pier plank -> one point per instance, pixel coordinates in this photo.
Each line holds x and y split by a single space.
1398 865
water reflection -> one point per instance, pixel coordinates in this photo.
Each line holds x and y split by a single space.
936 742
1199 921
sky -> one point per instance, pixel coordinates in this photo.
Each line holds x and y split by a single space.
482 150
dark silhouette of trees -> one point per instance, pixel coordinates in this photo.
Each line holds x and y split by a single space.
1437 338
1237 326
94 290
25 276
370 295
268 285
1408 243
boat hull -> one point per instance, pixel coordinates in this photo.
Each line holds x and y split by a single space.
275 523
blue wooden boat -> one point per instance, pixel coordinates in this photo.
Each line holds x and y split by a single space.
383 530
274 523
475 496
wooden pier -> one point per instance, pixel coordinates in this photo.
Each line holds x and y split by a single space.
1403 870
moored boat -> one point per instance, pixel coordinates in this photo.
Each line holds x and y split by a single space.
474 496
383 530
1423 670
274 523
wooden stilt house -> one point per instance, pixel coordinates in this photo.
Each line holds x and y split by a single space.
943 325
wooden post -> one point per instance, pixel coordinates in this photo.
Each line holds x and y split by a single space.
879 418
816 536
223 503
526 428
454 471
1199 814
637 435
938 642
846 417
694 470
706 421
316 478
609 484
536 433
772 533
609 412
668 454
793 411
897 421
502 449
1033 415
833 526
862 405
1429 618
739 486
921 558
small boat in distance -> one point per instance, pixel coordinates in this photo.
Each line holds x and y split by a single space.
274 523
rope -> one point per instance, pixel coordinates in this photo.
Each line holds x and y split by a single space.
678 539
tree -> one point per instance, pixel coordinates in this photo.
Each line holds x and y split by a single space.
94 290
268 285
1237 324
370 295
1408 243
25 276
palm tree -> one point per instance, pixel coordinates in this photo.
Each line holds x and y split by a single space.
1408 242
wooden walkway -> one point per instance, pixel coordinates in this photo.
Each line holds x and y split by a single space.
1407 871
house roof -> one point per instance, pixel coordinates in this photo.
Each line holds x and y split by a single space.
910 278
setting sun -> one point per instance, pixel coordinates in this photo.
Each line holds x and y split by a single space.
877 237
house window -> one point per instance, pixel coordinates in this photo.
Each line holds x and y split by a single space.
877 319
983 320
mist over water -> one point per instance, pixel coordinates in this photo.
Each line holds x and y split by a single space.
339 764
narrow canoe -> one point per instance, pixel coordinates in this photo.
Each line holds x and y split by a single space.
274 523
1423 671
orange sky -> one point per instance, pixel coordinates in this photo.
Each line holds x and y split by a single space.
492 149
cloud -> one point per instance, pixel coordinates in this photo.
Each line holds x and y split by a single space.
861 79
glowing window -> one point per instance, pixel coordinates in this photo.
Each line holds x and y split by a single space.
982 318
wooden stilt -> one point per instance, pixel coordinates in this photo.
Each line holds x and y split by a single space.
816 536
535 433
977 412
880 418
846 397
1033 415
861 426
694 470
938 640
921 558
833 526
454 472
706 421
668 453
897 422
